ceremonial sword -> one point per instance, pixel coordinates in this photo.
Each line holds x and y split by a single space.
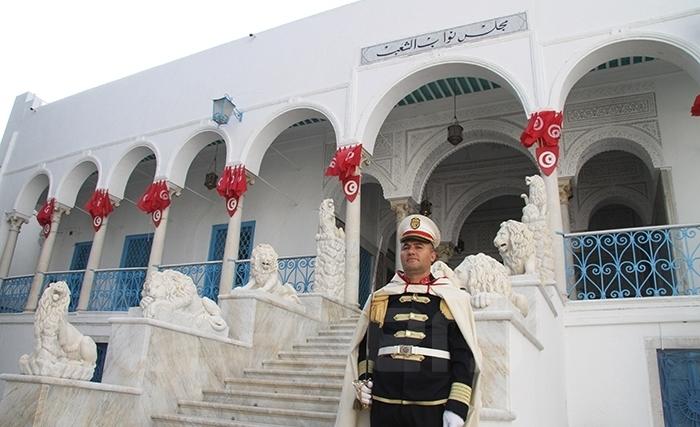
359 383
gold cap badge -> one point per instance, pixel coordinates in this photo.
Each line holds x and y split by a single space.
415 223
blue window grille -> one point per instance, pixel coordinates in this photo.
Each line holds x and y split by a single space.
74 279
679 372
365 276
14 292
217 242
245 248
81 253
100 364
119 289
633 262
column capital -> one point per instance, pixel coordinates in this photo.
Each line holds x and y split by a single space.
403 206
565 189
60 210
249 178
173 189
16 220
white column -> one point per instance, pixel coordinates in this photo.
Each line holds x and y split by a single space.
565 194
352 250
233 242
45 257
402 208
16 220
551 183
92 265
155 259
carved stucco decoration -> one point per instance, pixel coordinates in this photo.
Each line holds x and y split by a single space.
329 276
60 350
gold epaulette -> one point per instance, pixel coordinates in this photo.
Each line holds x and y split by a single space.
445 310
377 310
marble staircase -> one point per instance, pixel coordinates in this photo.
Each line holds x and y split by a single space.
301 387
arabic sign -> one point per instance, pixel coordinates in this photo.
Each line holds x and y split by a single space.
450 37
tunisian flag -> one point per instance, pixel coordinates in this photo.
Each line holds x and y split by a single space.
44 215
345 166
695 109
154 200
231 186
544 128
99 207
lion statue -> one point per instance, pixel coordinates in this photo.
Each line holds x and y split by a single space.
483 276
60 349
536 201
264 275
172 297
330 253
515 243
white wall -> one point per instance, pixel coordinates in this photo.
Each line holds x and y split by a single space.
611 367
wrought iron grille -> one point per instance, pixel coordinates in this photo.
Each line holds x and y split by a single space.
14 292
74 279
217 242
298 271
137 249
245 247
116 289
634 262
679 372
205 275
81 253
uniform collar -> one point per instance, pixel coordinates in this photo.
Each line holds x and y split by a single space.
427 281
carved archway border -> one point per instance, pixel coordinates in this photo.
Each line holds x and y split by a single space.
475 197
609 195
479 131
611 138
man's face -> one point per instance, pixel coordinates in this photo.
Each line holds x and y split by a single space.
417 257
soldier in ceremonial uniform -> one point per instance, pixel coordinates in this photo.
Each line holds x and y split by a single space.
423 363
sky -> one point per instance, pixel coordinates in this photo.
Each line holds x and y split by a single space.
55 49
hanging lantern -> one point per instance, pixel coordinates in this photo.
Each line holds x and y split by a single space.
454 131
223 108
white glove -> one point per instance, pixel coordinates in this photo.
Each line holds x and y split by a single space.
450 419
363 392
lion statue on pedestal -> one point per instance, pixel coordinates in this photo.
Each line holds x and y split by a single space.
172 297
264 275
483 276
515 243
60 349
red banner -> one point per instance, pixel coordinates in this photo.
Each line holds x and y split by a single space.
544 127
695 109
99 207
45 215
231 186
345 165
154 200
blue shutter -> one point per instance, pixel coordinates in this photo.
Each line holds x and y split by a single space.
245 249
679 372
81 253
137 249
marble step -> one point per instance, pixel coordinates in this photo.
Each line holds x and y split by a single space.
180 420
335 333
321 348
312 355
342 327
306 365
330 340
295 375
326 388
301 401
287 417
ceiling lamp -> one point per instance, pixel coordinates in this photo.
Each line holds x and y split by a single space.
454 131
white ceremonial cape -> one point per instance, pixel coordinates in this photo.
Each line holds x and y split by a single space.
459 303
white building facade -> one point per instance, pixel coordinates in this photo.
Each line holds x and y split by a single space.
393 76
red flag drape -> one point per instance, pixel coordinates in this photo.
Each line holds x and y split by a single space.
45 214
544 127
99 207
344 165
695 109
231 186
154 200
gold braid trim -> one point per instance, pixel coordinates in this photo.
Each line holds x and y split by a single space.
377 310
445 310
409 402
365 367
461 393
